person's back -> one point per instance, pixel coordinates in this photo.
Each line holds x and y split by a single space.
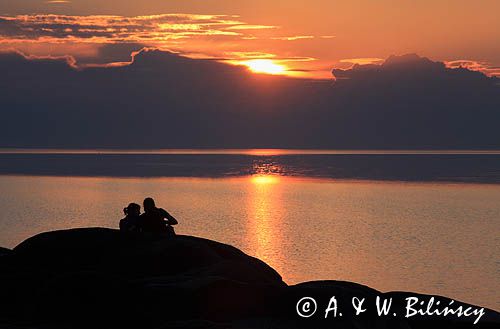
132 217
153 219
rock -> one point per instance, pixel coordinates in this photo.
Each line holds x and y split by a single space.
137 280
136 256
4 251
98 277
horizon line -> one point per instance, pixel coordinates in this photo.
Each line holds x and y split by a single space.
249 151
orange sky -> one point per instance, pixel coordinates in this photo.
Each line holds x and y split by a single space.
308 38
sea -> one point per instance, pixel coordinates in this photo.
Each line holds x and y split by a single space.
395 220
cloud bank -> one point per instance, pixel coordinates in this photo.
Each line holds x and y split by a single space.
163 100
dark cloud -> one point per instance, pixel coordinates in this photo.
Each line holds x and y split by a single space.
110 53
162 100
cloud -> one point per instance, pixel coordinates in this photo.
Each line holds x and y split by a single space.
251 27
360 64
301 37
293 38
68 60
113 29
58 1
163 100
362 60
485 67
248 55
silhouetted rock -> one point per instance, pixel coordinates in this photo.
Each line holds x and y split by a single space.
4 251
100 277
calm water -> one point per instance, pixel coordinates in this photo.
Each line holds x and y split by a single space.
386 226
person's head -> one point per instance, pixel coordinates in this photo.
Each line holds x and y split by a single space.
149 204
132 209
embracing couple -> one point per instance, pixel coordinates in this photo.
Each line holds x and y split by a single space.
152 220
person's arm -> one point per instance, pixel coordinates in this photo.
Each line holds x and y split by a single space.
170 219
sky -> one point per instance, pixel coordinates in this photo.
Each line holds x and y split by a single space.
293 37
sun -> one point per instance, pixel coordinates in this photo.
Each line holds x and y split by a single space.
264 66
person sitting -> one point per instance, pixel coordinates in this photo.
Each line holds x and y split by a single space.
132 216
156 220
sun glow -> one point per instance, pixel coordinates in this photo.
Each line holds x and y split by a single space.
264 66
264 179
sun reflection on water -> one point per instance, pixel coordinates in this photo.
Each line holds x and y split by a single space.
264 179
266 214
267 167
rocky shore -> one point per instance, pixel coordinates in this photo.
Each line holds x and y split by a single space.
101 278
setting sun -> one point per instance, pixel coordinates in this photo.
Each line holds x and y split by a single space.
264 66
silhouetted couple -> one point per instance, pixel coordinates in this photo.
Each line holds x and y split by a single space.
153 220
